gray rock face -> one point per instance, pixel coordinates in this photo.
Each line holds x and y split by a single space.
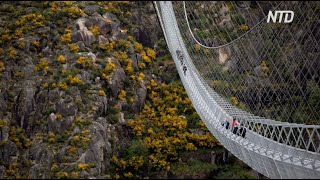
99 148
54 95
116 82
147 35
66 109
141 98
25 104
61 125
3 103
101 103
9 150
43 157
135 59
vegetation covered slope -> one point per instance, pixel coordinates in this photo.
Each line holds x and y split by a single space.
80 97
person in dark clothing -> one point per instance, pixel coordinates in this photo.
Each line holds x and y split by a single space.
184 69
226 124
235 129
244 133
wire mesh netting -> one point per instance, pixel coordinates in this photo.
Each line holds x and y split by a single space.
268 69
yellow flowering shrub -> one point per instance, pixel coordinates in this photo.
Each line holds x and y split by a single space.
3 123
110 67
18 33
73 48
84 62
234 101
73 11
122 56
35 20
137 47
51 137
75 81
61 59
162 127
1 52
61 175
151 53
62 86
264 68
95 30
244 27
140 77
130 38
129 69
108 46
197 47
141 65
145 58
12 53
66 38
101 93
36 43
122 95
2 68
58 116
83 167
42 65
82 139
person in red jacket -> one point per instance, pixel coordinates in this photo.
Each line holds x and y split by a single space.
234 126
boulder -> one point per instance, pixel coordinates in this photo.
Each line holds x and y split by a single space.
90 9
92 57
86 36
111 17
102 40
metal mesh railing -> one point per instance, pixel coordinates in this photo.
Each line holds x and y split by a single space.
277 144
272 70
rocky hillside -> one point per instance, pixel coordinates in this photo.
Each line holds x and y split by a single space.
73 74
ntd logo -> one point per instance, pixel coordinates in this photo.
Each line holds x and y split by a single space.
276 13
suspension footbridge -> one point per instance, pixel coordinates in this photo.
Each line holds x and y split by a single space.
233 64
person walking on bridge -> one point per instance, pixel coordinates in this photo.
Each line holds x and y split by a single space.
234 126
